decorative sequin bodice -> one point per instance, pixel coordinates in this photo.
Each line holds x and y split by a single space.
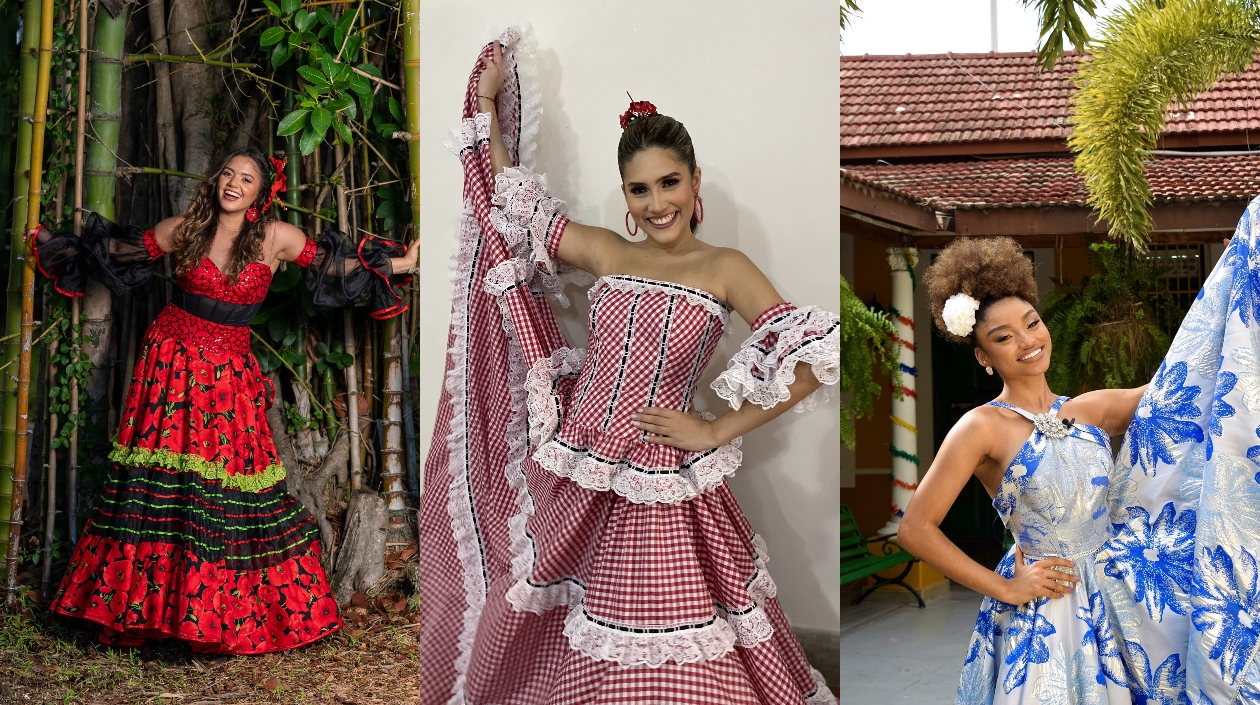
206 280
1053 497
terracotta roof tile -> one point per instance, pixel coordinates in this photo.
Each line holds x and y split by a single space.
942 98
1052 181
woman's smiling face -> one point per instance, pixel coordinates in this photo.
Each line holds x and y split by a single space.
660 192
239 183
1013 339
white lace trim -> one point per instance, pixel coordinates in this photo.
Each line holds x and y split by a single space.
464 532
762 378
638 285
523 212
468 134
642 485
712 641
822 693
467 542
544 408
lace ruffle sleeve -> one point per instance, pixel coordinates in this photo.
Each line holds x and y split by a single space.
341 272
120 257
766 364
529 218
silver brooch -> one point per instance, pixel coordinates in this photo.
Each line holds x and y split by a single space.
1051 426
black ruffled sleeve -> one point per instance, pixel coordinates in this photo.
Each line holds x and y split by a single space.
120 257
344 272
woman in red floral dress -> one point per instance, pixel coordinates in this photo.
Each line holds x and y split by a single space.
196 537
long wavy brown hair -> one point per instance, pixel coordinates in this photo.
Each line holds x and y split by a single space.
195 233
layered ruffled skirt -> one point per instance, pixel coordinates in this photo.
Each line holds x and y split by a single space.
195 537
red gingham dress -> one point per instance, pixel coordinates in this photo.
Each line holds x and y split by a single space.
567 560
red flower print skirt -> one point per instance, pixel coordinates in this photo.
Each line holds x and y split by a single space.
195 536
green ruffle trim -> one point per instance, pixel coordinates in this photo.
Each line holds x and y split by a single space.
190 462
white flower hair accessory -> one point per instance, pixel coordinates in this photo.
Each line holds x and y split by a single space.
959 314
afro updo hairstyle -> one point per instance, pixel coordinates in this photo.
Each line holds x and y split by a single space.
987 269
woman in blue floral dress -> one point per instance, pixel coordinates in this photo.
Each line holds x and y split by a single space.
1056 621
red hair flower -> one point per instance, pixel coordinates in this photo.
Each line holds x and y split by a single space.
279 184
638 109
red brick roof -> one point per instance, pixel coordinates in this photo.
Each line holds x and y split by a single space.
950 98
1051 181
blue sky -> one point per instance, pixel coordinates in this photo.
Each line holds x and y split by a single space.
938 26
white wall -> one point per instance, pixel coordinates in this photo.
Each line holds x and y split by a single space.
757 87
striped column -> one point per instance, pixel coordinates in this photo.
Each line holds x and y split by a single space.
905 434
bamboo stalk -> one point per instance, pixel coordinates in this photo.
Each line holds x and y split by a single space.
50 479
72 462
178 59
28 293
293 168
352 384
409 423
8 415
411 78
392 442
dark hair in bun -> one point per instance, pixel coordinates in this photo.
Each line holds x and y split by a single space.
987 269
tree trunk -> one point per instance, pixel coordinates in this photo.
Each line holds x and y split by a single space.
192 87
28 76
361 558
352 385
167 145
72 461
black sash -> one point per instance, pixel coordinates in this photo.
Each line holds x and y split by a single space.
214 310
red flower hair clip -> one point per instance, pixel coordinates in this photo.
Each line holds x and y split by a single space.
638 109
279 184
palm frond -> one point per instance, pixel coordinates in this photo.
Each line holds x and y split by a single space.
1148 58
848 8
1060 21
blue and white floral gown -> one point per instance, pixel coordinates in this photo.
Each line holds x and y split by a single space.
1185 496
1063 651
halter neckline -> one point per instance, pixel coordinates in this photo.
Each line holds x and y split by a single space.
1054 408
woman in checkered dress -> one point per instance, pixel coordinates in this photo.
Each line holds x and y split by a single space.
637 576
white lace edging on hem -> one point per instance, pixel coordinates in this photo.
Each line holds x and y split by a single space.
712 641
821 694
762 376
524 212
642 485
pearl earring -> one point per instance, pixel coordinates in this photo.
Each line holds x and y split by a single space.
989 370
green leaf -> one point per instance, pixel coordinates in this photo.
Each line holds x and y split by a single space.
276 328
340 104
262 317
321 118
343 132
294 357
292 122
275 9
303 20
272 35
287 279
343 27
313 77
281 54
387 130
395 109
328 65
295 39
325 16
288 7
310 141
360 85
388 193
386 210
288 340
369 69
351 51
317 52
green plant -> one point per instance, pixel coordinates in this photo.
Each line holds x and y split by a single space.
1152 53
868 341
1111 330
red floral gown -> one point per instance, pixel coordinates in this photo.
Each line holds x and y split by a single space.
195 536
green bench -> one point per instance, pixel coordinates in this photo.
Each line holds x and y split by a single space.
858 561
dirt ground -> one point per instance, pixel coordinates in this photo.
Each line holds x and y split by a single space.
46 658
